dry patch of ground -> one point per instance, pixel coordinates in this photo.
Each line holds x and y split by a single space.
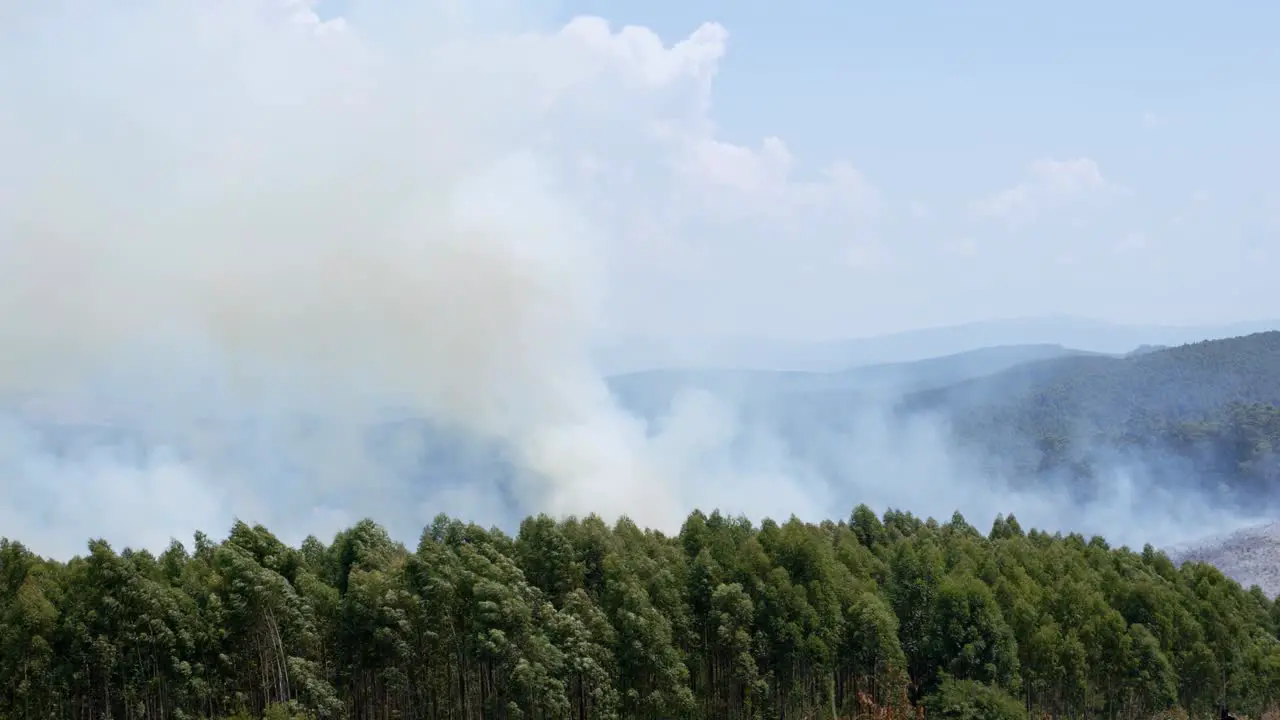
1250 556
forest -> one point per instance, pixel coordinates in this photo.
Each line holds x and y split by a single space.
890 616
1206 412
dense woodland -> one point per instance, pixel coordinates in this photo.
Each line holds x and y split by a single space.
1097 391
1235 447
883 617
1207 412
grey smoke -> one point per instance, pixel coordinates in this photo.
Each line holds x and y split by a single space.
234 239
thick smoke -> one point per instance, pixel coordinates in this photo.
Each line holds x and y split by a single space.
243 250
251 232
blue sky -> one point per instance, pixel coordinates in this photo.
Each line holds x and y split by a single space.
913 83
936 102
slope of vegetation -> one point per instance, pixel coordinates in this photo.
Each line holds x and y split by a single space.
650 392
868 617
1177 383
1209 411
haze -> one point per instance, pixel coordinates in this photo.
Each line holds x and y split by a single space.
245 229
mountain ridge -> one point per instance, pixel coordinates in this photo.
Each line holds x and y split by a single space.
648 390
631 355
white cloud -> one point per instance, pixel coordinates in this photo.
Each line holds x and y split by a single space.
735 181
1050 184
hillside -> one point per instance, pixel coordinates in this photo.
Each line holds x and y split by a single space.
1202 414
865 617
619 357
1176 383
650 392
1210 406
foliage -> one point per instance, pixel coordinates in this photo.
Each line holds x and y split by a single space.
1208 410
870 617
970 700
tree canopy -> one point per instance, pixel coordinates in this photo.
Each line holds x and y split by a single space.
873 616
1206 411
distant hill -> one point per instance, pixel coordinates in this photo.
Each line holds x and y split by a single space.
1144 349
650 392
831 356
1178 383
1203 414
1208 410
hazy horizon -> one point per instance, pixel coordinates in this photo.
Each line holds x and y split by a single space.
617 356
1088 321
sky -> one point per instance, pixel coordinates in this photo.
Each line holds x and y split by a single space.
994 158
1113 160
220 216
831 169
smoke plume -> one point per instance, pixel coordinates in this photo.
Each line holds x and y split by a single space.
245 250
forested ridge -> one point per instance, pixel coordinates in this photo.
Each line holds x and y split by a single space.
866 617
1207 412
1178 383
1203 413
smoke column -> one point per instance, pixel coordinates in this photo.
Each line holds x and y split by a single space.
235 196
246 233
